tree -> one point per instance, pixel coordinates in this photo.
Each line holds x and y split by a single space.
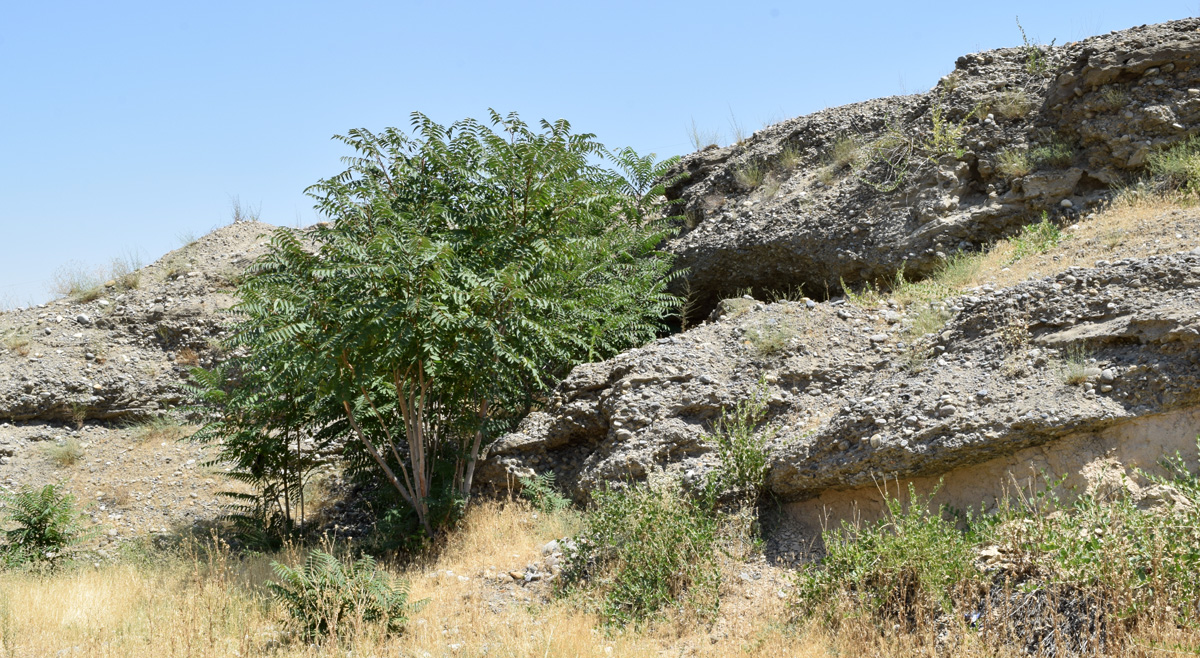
464 271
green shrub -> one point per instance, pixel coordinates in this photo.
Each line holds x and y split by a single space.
643 549
1057 153
903 568
539 490
1013 163
741 447
1178 166
44 525
1014 104
325 596
846 152
1035 239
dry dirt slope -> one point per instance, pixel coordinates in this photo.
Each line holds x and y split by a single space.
80 379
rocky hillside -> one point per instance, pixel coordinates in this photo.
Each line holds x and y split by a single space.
1073 356
85 383
856 193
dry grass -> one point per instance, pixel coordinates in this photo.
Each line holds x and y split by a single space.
16 341
1135 226
164 428
198 603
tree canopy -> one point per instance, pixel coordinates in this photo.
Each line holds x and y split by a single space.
464 270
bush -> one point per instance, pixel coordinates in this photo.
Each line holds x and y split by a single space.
749 175
1178 166
741 447
645 548
1035 239
905 568
326 596
1013 163
45 525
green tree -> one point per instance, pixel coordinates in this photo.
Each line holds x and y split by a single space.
465 270
44 524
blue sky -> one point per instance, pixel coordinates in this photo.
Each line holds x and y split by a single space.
124 126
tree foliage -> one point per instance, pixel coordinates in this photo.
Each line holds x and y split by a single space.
465 269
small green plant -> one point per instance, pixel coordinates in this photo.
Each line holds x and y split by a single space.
702 139
887 160
770 187
1036 238
1013 163
64 453
749 175
741 447
956 272
326 596
1056 153
44 525
946 135
645 548
1074 367
905 567
125 272
1178 167
540 491
1035 53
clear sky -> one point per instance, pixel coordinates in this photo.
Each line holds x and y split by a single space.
126 125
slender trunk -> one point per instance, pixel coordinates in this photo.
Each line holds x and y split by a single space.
474 457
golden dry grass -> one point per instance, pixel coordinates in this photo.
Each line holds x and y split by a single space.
201 603
1136 227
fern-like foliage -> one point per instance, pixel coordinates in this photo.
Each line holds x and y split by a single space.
467 268
540 491
44 524
326 596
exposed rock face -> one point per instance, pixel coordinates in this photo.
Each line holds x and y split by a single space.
124 354
853 396
929 175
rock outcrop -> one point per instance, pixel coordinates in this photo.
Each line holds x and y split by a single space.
123 355
857 193
855 396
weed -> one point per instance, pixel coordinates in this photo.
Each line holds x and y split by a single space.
44 525
1035 54
240 213
739 132
887 160
1057 153
539 490
645 548
125 272
1178 167
955 272
78 412
1013 104
326 597
1114 97
66 452
1013 163
789 157
741 447
772 336
187 357
162 428
906 568
1035 239
749 175
77 282
846 152
16 341
1073 370
946 135
702 139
